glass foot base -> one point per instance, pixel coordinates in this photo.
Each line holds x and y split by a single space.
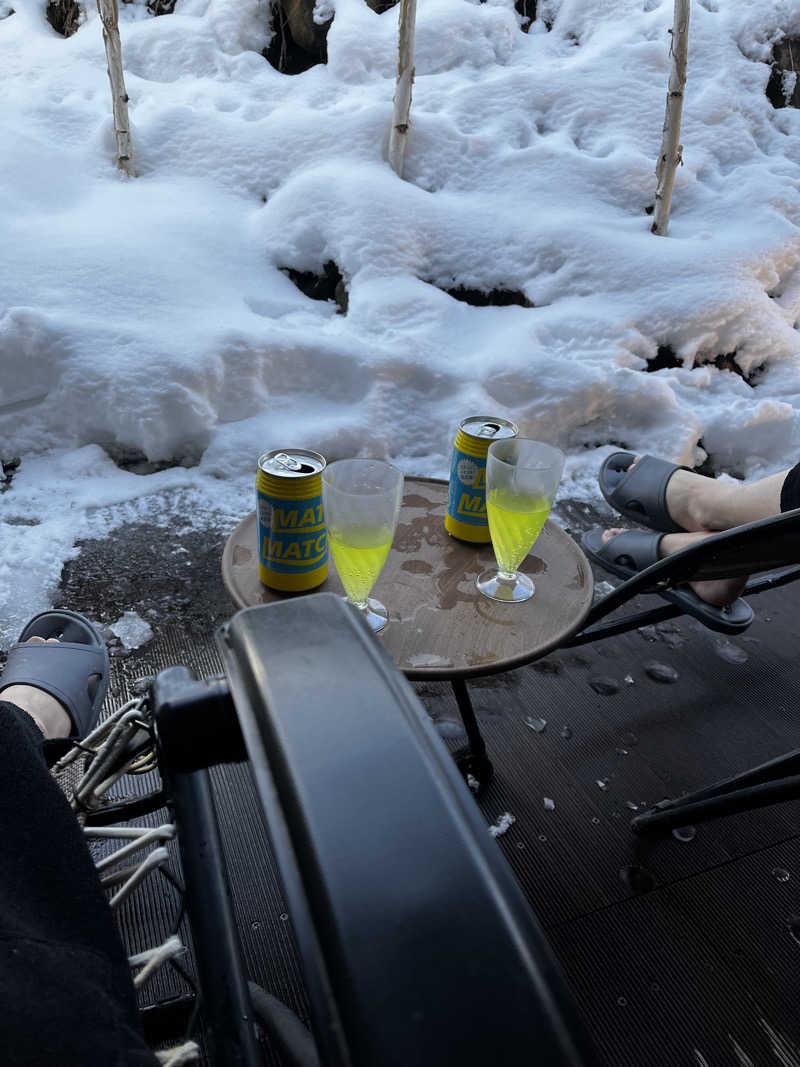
512 589
374 612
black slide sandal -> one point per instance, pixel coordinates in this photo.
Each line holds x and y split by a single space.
633 551
75 671
640 493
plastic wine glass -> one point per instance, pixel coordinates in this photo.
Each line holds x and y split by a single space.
361 498
522 477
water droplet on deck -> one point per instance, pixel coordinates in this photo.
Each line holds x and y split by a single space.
284 916
537 725
566 732
604 686
631 805
595 820
622 751
602 783
793 923
661 672
684 833
730 652
615 815
655 987
549 804
622 1002
255 925
520 845
781 874
628 679
637 879
542 837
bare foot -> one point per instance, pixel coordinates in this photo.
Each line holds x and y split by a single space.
701 504
48 714
718 592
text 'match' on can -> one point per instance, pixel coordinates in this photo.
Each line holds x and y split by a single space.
292 537
466 506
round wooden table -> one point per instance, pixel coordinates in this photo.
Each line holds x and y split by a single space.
440 626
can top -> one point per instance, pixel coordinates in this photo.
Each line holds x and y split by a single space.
291 463
487 427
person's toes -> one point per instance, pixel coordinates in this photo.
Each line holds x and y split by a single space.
35 641
609 535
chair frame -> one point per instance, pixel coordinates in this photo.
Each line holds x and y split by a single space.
758 546
473 984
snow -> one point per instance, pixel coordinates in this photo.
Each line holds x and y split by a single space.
150 317
132 630
504 822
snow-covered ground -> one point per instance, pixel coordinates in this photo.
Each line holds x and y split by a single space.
150 316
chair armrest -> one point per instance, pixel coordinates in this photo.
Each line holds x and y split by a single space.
418 946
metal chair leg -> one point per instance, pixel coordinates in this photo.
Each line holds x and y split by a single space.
769 783
226 999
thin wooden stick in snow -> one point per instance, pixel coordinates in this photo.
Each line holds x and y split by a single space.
671 150
402 93
109 16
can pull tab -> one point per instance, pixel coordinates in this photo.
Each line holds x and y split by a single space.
489 429
288 463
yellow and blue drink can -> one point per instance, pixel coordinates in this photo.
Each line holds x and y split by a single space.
292 537
466 506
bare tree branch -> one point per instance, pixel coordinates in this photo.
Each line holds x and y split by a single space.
109 16
671 150
405 79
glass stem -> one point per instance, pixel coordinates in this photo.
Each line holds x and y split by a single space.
507 576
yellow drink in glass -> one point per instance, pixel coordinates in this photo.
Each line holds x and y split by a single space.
514 524
361 498
522 477
359 556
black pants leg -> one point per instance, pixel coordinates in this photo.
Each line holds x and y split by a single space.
65 986
790 491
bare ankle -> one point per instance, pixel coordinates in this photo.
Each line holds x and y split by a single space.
45 710
709 505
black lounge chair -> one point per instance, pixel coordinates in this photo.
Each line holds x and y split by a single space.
417 944
769 545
